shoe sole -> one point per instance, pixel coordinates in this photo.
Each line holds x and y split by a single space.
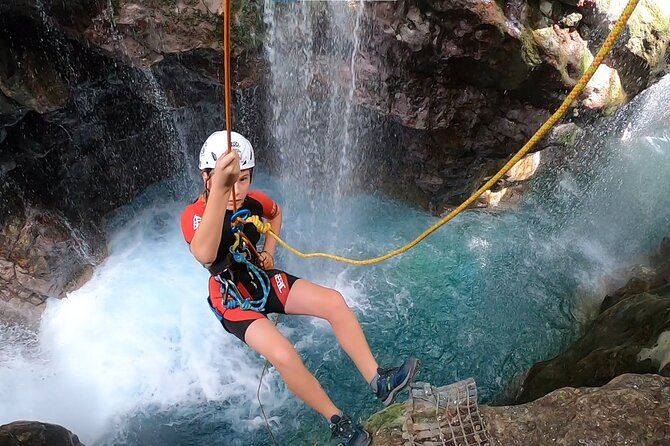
415 369
367 441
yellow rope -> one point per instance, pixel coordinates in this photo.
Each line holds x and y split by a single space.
562 110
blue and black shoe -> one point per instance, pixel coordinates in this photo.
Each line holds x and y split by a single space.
347 432
389 382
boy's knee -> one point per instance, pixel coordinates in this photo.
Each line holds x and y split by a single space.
337 305
284 357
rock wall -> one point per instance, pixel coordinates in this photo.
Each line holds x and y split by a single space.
98 100
35 433
630 335
469 81
631 409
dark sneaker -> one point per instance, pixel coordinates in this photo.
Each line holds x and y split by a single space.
347 432
389 382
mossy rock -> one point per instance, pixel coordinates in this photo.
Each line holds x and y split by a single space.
194 21
529 50
386 420
649 28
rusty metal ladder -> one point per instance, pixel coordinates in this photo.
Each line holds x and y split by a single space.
444 416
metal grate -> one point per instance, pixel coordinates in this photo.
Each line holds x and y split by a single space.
444 416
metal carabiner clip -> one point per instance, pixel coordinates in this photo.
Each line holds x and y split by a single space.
223 286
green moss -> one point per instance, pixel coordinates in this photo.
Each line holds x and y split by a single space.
390 418
570 136
660 20
247 24
586 60
529 51
649 28
617 97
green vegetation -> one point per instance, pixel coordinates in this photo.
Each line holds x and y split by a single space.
529 51
247 25
390 418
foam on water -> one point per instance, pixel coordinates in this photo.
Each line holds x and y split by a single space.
137 334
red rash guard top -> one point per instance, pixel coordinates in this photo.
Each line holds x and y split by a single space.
256 202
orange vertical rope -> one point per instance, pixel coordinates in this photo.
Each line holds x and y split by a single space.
226 74
226 83
226 95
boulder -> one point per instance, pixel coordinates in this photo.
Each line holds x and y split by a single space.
630 409
641 55
630 335
35 433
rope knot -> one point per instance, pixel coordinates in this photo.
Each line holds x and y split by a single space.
238 220
238 256
261 226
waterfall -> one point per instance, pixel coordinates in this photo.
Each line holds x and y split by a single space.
311 49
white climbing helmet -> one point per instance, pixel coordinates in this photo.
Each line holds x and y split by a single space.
217 144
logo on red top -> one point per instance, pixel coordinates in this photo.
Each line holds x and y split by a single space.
196 221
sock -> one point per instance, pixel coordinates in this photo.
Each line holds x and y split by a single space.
373 383
337 417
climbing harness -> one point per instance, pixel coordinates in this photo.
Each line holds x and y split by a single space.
232 298
230 295
242 214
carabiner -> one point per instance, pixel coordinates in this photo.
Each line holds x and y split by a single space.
242 214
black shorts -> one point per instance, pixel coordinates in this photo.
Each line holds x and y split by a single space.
237 320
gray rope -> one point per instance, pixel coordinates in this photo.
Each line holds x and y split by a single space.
258 395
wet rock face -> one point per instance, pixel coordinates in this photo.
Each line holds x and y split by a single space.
143 31
469 81
35 433
631 409
73 143
630 335
40 255
83 130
